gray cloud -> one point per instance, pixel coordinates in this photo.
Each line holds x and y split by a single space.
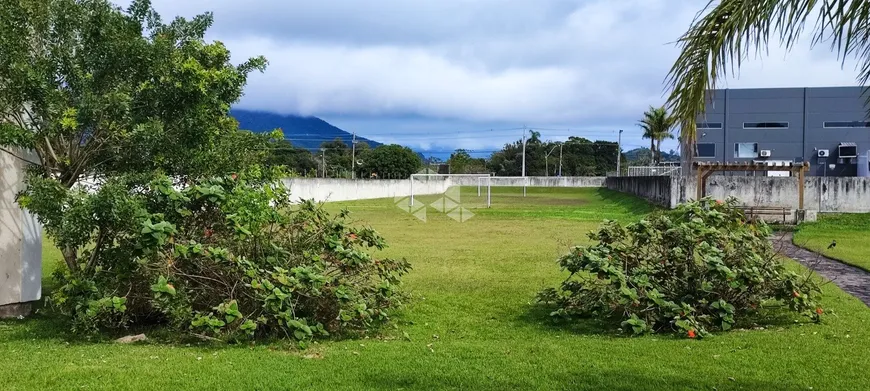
579 63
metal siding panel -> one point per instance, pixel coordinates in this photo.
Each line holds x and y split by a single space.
713 107
856 135
766 106
795 120
835 92
765 93
840 106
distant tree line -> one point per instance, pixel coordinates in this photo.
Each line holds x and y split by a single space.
336 159
579 157
576 156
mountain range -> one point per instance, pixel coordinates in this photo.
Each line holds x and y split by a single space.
309 132
302 132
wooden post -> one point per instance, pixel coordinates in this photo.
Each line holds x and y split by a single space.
699 190
801 187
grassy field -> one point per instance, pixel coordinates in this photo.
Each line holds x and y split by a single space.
851 231
472 325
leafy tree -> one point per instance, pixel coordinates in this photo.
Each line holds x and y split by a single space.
509 161
96 90
93 89
338 157
283 153
461 162
580 157
657 126
390 162
725 33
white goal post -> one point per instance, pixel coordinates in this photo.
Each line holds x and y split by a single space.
446 176
524 181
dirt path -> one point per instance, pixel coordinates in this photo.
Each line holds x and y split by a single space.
849 278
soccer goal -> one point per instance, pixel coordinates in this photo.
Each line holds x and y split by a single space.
522 192
445 184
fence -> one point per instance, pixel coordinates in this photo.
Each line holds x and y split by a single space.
653 171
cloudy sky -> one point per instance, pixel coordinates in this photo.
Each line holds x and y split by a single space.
441 74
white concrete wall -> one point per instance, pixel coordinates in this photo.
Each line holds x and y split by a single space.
20 237
658 190
824 194
537 181
831 194
326 190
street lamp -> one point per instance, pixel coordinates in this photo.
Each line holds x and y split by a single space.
546 159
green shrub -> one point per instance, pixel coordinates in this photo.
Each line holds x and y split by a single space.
222 257
695 269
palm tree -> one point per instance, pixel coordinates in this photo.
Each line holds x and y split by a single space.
724 34
656 124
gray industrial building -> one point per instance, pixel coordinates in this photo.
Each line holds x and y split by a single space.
827 127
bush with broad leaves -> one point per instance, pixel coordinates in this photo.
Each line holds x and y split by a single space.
698 268
225 258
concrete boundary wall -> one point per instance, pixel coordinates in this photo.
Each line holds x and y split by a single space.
831 194
823 194
536 181
327 190
658 190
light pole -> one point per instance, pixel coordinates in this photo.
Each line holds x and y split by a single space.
547 160
560 160
524 150
353 157
323 160
619 153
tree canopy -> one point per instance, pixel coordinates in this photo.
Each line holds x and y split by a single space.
297 160
95 89
461 162
580 157
657 125
389 162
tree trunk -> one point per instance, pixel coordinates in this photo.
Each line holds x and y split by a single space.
658 152
652 150
70 257
687 153
70 254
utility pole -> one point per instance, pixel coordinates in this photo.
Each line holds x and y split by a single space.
547 160
323 160
524 150
619 153
353 156
560 159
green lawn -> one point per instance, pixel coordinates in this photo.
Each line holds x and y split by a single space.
851 231
472 325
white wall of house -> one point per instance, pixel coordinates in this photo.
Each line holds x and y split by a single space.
20 236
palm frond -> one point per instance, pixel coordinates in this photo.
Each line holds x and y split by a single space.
725 32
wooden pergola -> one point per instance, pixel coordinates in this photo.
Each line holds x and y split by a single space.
705 169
